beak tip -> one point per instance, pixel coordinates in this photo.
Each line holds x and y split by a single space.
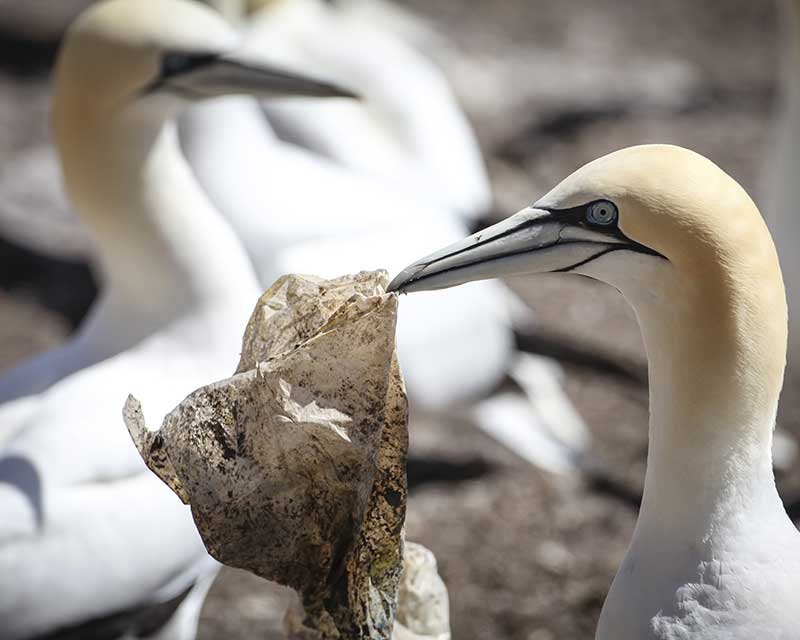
396 285
404 279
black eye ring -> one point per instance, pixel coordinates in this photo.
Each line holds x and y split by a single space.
603 213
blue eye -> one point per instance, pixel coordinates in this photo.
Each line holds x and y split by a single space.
603 213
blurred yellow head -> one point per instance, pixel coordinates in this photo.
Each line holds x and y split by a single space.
127 67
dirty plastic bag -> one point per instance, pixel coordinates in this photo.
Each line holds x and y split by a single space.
295 467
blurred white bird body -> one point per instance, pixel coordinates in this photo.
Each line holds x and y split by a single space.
355 192
407 130
333 221
143 284
714 554
86 532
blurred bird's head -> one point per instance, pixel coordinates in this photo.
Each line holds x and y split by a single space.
127 68
151 59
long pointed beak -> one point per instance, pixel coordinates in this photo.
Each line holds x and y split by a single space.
201 77
531 241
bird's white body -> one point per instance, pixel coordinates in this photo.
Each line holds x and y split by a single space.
735 578
407 131
328 221
75 548
713 555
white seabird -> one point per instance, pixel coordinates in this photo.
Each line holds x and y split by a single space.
86 532
119 319
351 220
714 554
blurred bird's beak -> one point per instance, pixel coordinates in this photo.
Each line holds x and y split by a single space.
201 76
531 241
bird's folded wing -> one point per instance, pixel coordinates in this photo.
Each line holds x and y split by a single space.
97 548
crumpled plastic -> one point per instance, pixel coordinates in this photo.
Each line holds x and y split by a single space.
295 466
423 611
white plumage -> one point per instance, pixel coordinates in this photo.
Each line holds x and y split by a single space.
364 185
407 131
85 530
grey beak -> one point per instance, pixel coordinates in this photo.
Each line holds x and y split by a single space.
531 241
200 76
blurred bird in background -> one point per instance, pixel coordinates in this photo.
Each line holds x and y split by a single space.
353 187
335 190
86 532
176 288
408 132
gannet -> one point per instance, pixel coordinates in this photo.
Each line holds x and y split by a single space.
85 530
94 169
714 554
335 228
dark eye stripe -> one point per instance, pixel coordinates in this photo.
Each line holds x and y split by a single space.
577 216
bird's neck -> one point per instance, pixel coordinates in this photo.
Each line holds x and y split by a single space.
163 249
714 388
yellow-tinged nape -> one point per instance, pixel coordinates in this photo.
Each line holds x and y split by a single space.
109 57
110 53
127 68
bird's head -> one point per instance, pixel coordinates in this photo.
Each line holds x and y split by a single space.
677 236
152 59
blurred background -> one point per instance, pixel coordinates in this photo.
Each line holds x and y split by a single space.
548 86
